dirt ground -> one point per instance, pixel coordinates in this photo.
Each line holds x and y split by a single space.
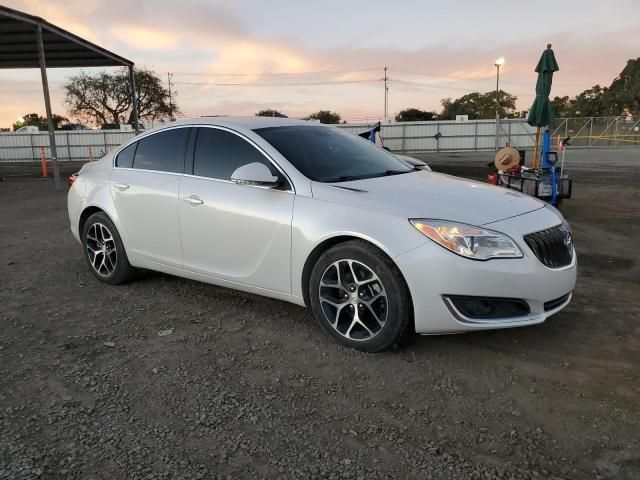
247 387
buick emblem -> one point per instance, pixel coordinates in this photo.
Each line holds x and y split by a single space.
567 240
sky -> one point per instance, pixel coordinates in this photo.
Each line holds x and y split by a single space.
432 50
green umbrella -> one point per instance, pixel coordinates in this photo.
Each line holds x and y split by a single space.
541 113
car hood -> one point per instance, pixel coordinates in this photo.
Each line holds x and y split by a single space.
423 194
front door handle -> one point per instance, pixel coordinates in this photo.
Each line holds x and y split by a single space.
193 200
121 186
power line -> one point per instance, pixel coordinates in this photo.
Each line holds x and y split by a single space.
12 91
289 84
450 87
453 79
432 85
272 74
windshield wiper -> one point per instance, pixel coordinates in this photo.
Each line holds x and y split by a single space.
398 172
386 173
343 178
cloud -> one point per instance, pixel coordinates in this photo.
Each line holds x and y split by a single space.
145 37
69 19
214 37
253 57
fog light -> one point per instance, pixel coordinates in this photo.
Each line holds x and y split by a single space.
481 308
487 308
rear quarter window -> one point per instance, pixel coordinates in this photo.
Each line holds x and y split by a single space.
125 157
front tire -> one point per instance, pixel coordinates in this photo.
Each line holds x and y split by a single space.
104 251
359 297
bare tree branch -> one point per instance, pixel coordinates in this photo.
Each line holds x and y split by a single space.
105 98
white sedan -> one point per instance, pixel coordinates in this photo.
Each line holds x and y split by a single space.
309 214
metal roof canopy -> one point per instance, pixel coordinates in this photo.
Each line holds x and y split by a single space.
27 41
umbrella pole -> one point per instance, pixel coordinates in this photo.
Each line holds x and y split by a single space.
536 151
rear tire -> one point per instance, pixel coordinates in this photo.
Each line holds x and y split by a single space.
104 251
359 297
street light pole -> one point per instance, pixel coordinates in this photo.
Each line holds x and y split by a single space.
386 94
498 63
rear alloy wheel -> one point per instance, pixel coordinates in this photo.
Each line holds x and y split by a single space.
101 249
104 251
359 297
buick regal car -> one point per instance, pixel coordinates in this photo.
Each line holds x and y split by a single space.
312 215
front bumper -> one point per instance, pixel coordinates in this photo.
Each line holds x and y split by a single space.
434 273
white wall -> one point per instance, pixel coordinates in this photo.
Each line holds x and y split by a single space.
453 136
72 145
406 136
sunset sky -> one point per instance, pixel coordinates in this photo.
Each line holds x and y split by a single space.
432 49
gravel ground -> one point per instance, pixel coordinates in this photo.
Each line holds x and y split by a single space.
169 378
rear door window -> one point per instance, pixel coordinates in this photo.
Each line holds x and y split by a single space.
163 152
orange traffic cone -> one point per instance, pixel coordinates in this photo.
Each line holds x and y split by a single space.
43 161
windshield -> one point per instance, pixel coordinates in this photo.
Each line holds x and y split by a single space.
326 154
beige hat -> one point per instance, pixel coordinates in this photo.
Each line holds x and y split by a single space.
506 158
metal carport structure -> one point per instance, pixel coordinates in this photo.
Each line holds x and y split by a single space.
27 41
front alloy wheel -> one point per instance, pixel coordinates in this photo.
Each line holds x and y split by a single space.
359 297
353 300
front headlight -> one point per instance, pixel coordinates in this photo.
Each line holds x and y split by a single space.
466 240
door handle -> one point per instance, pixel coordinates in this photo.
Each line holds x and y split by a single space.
121 186
193 200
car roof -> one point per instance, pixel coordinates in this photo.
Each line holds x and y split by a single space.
250 123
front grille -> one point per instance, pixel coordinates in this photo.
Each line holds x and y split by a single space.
552 246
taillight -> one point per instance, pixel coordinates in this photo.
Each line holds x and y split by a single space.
72 178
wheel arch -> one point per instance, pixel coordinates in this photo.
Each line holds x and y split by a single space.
86 213
331 242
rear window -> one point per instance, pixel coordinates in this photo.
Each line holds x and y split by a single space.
162 151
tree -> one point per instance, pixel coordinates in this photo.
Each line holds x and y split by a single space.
562 106
592 102
622 96
479 105
625 89
270 112
105 98
36 120
326 116
414 115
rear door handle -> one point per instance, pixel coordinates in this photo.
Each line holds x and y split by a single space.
193 200
121 186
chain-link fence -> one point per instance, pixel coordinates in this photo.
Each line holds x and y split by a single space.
598 131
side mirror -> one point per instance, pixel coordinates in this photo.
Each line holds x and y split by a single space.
255 173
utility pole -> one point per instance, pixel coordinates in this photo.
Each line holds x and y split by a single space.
386 93
169 77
